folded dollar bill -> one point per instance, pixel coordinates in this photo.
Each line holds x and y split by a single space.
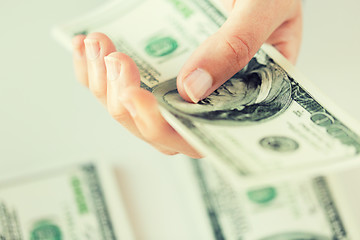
77 202
299 209
266 121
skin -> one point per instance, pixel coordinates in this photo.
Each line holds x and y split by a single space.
250 24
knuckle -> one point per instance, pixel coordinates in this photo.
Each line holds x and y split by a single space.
164 150
157 133
153 136
119 55
196 156
119 115
83 79
98 93
240 51
168 152
84 83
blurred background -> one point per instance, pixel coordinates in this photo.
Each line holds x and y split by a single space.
47 118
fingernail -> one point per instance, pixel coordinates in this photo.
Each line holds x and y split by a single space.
130 107
112 68
197 84
92 48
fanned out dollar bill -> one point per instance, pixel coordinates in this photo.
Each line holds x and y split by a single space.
78 202
267 121
306 209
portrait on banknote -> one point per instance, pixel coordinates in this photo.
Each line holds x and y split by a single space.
260 91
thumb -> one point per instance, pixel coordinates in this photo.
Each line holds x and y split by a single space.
229 50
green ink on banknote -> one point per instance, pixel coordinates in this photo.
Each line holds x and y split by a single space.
84 32
322 119
263 195
79 196
159 47
46 230
182 7
279 144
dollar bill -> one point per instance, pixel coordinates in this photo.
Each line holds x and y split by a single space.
305 209
266 121
80 202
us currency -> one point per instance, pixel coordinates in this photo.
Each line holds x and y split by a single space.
80 202
266 121
306 209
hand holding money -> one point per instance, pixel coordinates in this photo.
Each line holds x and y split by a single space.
249 25
114 79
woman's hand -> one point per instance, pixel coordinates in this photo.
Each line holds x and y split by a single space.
250 24
114 79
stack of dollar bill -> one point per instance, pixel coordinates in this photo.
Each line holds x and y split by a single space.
319 208
74 202
83 202
286 128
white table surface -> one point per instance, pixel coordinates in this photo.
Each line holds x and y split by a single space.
47 118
